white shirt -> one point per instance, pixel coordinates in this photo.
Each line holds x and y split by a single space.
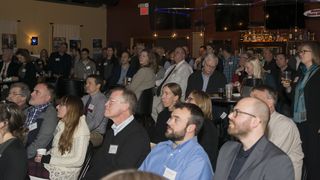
118 128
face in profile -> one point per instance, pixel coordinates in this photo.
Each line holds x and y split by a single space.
115 105
40 95
143 58
61 110
177 124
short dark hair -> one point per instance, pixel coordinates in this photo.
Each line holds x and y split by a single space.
85 49
228 49
196 113
272 93
97 79
51 90
25 53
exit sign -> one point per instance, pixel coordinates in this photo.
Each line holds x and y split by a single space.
144 9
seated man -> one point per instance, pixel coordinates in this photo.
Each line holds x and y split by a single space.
19 93
94 109
181 157
253 157
126 144
208 80
282 131
41 119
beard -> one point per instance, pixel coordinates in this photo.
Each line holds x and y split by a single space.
238 131
175 136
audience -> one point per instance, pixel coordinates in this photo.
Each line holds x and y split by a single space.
70 142
208 80
13 155
305 91
269 66
126 144
19 94
282 131
253 157
171 95
145 77
181 157
41 119
230 63
208 136
120 71
94 109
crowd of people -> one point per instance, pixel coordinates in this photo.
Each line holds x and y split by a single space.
273 127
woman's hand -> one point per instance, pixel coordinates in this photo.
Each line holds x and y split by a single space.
38 158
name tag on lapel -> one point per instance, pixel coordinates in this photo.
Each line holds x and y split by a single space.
33 126
113 149
170 174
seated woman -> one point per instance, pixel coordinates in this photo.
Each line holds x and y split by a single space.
27 71
70 142
145 78
208 136
171 95
13 155
255 77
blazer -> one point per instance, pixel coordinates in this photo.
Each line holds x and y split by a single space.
266 161
216 80
12 69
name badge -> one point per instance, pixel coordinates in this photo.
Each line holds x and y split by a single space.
57 59
90 107
32 127
105 63
230 63
170 174
113 149
296 79
23 70
88 67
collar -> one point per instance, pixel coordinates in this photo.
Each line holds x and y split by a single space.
118 128
181 62
189 142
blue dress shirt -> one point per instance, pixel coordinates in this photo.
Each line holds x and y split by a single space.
186 161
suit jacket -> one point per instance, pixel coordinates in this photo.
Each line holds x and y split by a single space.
12 69
216 80
266 161
130 147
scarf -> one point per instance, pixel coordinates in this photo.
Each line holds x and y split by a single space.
33 113
300 111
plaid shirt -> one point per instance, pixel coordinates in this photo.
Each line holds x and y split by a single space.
229 67
33 113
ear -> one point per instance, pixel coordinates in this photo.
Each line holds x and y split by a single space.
191 128
176 98
256 121
2 124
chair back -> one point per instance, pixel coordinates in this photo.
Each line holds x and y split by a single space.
87 160
69 87
144 105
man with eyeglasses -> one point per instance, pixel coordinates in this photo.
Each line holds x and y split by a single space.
253 157
208 80
282 131
19 94
126 143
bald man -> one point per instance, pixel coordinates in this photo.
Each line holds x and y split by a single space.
253 157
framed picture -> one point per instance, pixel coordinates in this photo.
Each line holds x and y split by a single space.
75 44
9 40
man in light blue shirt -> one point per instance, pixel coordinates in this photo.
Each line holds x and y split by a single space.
181 157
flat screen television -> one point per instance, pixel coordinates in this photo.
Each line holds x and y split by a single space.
284 15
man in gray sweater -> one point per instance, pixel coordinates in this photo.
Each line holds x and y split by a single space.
41 119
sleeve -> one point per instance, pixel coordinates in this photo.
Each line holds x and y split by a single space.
189 85
279 167
44 136
94 118
197 168
283 139
132 152
77 154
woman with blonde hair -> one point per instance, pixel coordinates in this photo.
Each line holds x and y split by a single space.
70 142
255 77
208 136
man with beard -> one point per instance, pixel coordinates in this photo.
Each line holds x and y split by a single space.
181 157
253 157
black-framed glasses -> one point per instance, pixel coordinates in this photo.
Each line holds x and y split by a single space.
236 112
303 51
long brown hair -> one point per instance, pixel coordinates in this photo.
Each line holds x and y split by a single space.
203 101
71 120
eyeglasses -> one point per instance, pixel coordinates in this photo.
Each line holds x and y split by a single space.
15 94
236 112
303 51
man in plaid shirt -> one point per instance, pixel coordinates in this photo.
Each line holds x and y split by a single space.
230 63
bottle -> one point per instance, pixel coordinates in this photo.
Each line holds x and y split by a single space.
290 35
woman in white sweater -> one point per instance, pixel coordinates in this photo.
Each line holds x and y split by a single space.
71 139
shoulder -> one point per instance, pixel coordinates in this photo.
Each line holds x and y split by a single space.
82 129
281 120
16 150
